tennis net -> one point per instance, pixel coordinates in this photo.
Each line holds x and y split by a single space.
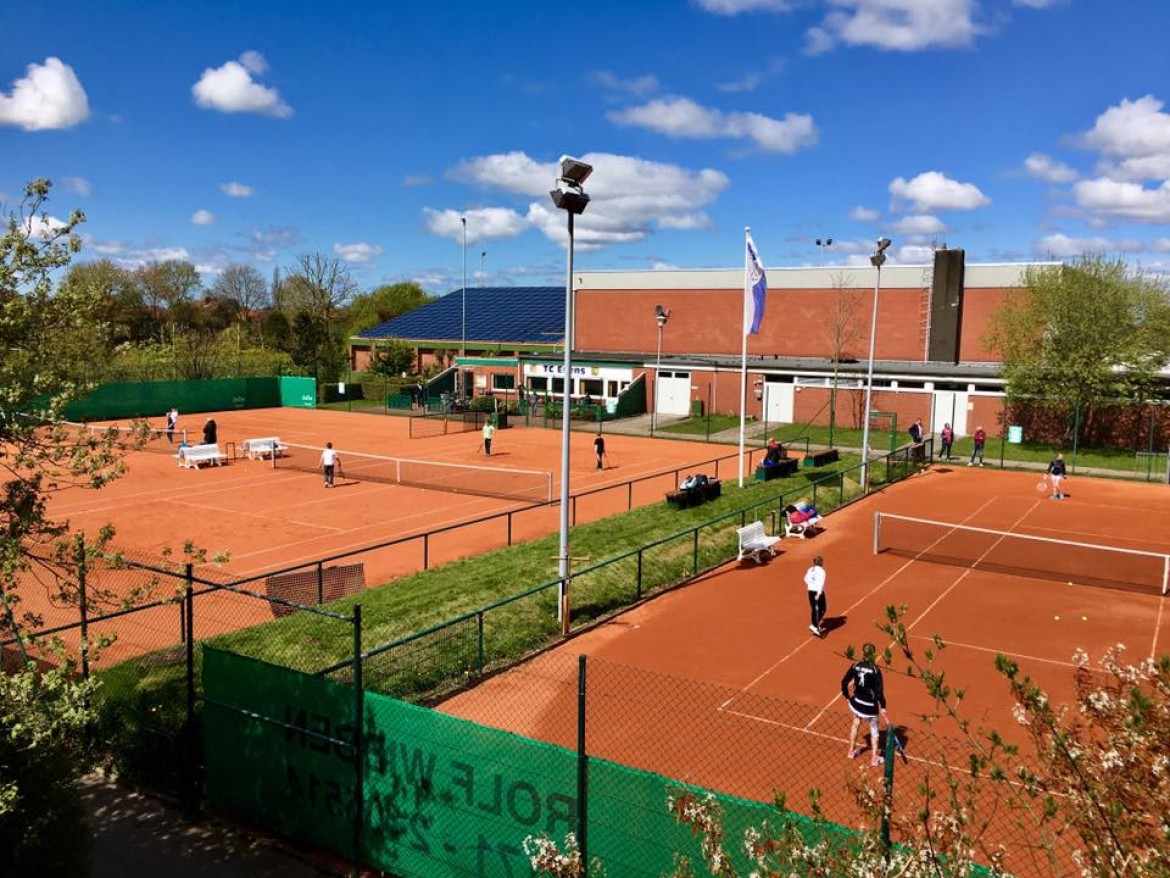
455 478
996 551
441 423
155 437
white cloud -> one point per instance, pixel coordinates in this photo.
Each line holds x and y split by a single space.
933 190
49 96
1060 246
359 253
630 196
918 224
231 89
1131 129
1042 167
897 25
639 85
134 258
78 186
236 190
203 217
683 118
416 180
1162 245
1037 4
483 224
1115 199
736 7
42 226
863 214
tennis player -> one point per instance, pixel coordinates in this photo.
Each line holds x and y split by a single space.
599 449
814 580
862 687
1056 472
489 430
172 422
329 463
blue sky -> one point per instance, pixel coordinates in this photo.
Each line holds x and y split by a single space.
252 132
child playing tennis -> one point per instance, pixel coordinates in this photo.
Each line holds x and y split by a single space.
862 687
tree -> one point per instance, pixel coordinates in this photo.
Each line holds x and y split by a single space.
320 285
126 312
48 338
385 303
166 286
843 329
1083 335
245 289
392 357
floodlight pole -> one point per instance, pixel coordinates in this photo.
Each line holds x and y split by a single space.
661 315
571 198
877 260
482 273
463 337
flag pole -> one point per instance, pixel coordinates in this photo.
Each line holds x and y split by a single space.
743 359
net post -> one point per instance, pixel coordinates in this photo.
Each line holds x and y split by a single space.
1165 574
877 530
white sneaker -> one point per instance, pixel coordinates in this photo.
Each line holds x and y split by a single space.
814 630
970 463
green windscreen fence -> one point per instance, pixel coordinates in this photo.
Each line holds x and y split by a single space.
442 796
146 399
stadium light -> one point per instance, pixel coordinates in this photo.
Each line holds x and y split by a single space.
463 337
824 244
661 315
571 198
877 261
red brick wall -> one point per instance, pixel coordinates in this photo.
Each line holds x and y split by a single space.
711 322
978 306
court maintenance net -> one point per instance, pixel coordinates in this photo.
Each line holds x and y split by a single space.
455 478
996 551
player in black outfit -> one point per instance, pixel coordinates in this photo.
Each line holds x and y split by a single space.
599 449
862 687
1056 472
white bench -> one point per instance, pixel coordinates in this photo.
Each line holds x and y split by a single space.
264 448
753 541
194 456
800 529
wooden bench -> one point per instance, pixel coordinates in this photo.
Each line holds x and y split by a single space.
786 466
264 448
754 541
801 529
820 458
194 456
684 498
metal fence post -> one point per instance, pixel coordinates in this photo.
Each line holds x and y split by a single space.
193 760
320 583
82 603
888 801
582 770
359 756
479 641
639 581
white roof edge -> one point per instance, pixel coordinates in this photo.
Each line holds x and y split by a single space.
992 274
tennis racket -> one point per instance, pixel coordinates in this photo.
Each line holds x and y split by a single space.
1042 485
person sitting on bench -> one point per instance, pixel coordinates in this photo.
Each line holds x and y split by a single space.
774 454
801 512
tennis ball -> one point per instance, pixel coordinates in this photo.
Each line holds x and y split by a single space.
1070 582
1084 618
1057 618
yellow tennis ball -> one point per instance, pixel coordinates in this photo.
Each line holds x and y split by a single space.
1070 582
1084 618
1057 618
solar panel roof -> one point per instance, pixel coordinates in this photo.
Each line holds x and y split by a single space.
534 315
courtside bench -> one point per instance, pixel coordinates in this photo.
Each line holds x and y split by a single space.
684 498
263 448
786 466
194 456
754 541
820 458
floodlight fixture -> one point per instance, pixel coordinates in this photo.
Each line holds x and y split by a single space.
662 315
574 170
824 242
883 244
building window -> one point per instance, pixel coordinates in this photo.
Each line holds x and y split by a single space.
503 382
591 387
538 384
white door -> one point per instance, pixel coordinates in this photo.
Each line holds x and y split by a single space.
779 402
674 393
950 407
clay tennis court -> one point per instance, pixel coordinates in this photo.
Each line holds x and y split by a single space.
721 684
268 519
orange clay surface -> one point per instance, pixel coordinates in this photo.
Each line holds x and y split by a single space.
720 683
268 520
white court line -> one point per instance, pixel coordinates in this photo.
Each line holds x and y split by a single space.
1015 655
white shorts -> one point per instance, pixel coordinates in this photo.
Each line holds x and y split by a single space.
862 712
